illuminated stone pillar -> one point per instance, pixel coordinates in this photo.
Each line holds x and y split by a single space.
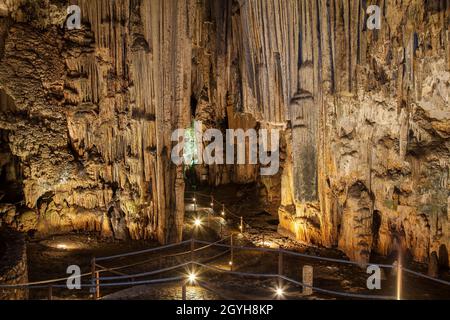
304 113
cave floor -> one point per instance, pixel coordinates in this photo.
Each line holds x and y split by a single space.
49 258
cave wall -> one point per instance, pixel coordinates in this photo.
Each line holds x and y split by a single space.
95 109
364 114
368 129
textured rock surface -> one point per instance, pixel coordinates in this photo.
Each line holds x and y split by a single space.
90 112
364 113
378 125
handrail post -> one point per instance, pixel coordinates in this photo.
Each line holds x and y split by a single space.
231 252
307 279
399 277
192 249
183 291
93 289
50 292
97 285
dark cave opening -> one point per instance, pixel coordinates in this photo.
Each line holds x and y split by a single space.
193 105
376 224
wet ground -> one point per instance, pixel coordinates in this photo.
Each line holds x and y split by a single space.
49 258
164 292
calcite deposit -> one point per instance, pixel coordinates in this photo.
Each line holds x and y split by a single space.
86 115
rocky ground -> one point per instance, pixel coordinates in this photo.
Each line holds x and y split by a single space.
49 258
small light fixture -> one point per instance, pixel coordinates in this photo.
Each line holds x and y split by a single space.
61 246
192 277
223 213
193 199
197 222
230 263
279 292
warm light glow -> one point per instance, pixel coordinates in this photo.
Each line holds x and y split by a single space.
197 222
192 277
61 246
193 199
267 243
212 204
230 263
223 213
279 292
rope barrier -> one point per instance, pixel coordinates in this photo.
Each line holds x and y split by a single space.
426 277
137 275
338 293
117 284
129 283
144 274
105 269
262 275
211 244
296 254
143 251
207 245
44 281
214 201
39 284
156 281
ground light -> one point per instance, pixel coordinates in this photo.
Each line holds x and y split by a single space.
197 222
192 277
279 292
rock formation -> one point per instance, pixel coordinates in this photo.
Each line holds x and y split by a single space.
87 115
